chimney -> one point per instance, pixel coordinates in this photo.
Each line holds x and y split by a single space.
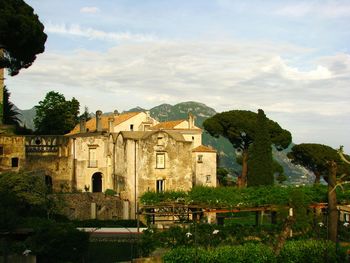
82 125
98 121
191 119
148 115
110 123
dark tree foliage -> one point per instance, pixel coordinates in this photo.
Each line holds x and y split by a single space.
86 115
316 157
56 115
260 161
222 174
21 35
54 242
278 171
10 113
239 128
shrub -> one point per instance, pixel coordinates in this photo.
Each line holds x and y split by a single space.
310 251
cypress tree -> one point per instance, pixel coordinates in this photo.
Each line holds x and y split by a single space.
260 161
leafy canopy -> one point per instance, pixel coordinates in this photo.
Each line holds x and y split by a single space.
239 127
315 157
56 115
21 35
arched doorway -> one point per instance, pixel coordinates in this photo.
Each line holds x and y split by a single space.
97 182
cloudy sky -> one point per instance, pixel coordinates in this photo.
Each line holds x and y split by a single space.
290 58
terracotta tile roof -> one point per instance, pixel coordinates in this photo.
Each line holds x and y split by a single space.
143 135
203 148
167 125
91 124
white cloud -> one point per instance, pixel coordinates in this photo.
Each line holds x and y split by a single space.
220 74
77 30
90 10
328 9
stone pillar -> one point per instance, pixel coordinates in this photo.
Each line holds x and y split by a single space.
82 125
98 121
93 211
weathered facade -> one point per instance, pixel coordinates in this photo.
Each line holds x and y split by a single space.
129 153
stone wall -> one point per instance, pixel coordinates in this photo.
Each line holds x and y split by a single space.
83 206
11 147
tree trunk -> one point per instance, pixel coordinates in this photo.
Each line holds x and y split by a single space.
317 178
332 204
285 233
242 180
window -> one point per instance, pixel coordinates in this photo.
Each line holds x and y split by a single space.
92 158
208 178
1 150
200 158
160 185
146 127
131 127
14 162
160 141
160 161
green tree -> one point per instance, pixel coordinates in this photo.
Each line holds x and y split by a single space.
21 35
56 115
316 157
10 113
86 115
260 155
239 128
222 174
323 161
278 171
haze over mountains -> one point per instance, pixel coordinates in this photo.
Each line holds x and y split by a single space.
227 154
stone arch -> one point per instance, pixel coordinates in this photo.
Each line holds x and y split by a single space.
96 182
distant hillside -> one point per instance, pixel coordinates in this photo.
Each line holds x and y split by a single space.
227 154
27 117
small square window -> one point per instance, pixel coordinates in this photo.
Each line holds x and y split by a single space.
14 162
131 127
160 141
200 158
160 161
208 178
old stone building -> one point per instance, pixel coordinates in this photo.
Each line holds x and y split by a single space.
130 153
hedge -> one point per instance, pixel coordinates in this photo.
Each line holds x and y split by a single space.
309 251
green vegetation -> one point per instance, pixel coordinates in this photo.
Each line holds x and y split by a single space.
21 35
56 115
316 157
247 197
310 251
260 161
239 127
27 203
